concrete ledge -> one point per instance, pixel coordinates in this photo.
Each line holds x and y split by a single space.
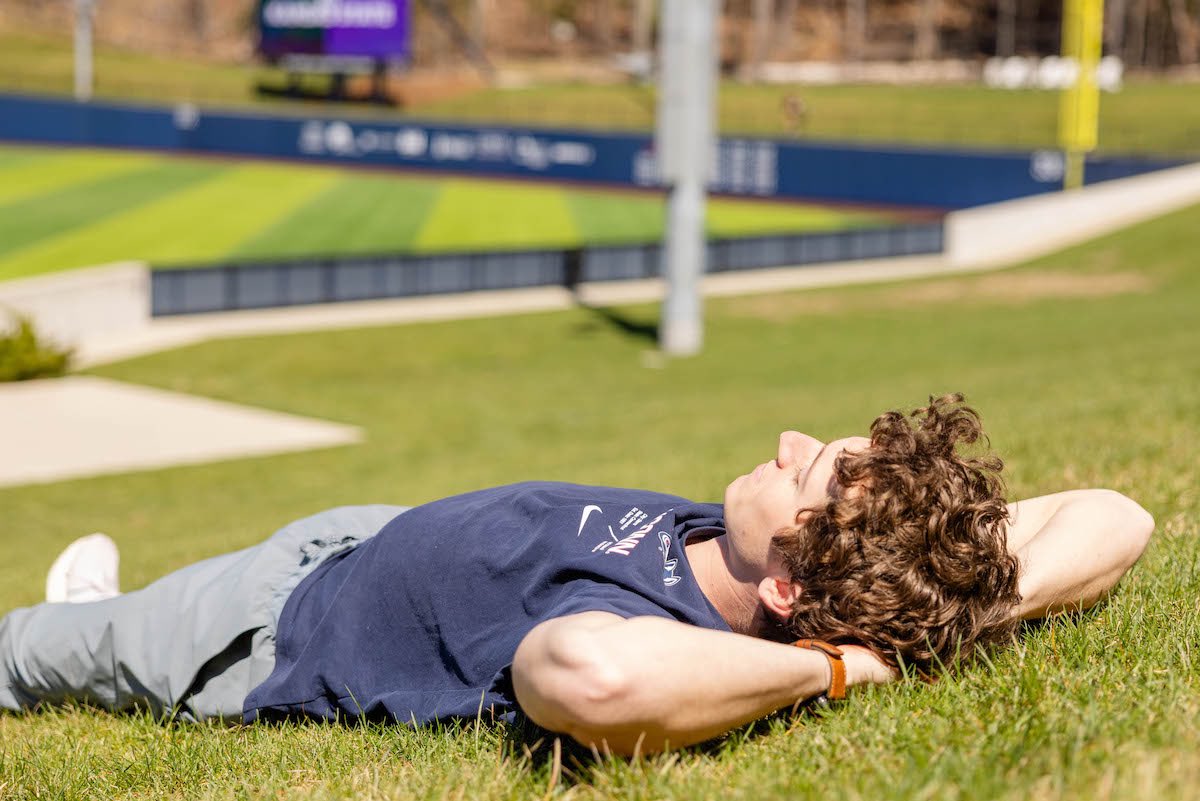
170 332
1016 230
775 279
164 333
76 307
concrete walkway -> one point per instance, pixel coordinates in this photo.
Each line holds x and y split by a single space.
80 426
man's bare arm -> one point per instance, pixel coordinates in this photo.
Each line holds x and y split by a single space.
650 683
1074 547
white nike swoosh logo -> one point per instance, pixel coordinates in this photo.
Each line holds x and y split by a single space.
587 510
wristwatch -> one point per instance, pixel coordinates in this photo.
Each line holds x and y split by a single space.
837 669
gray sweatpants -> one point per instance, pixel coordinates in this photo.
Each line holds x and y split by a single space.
190 645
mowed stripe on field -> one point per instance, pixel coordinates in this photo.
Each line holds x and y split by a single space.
201 222
750 217
357 214
473 215
24 225
30 173
617 217
15 155
75 208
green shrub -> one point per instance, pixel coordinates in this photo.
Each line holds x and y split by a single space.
24 356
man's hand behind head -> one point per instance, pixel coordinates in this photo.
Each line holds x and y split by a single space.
864 667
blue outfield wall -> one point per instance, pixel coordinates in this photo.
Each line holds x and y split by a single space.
901 176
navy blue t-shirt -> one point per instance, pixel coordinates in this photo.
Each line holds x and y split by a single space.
420 622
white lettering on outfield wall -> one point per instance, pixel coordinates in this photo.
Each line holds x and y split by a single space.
452 147
532 152
737 165
330 14
411 142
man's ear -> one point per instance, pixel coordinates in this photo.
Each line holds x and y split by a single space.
778 594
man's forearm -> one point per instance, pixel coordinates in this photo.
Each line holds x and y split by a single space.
649 683
1076 548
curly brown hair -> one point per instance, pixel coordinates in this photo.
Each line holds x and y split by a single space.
912 559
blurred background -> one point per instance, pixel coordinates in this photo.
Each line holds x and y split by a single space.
894 70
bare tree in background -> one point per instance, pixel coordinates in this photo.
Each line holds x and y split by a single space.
1156 35
760 43
1185 31
855 34
603 11
197 17
785 28
926 45
643 23
1115 13
477 23
1145 33
1006 28
1135 44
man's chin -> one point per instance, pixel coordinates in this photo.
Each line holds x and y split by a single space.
731 489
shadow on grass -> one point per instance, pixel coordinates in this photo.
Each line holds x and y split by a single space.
567 763
623 323
1074 617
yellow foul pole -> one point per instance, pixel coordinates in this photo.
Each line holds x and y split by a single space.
1079 105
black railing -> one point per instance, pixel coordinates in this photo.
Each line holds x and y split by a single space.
262 284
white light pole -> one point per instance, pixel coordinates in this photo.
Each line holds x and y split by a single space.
684 143
84 10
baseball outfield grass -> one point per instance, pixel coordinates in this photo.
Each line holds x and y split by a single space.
1085 366
70 208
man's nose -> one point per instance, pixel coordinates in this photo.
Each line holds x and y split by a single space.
796 448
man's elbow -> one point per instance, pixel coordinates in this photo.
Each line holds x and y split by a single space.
1122 525
576 688
1134 524
595 702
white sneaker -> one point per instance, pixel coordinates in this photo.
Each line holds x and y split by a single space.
85 571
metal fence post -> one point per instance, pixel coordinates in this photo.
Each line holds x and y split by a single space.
684 147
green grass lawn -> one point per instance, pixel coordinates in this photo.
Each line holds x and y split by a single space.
1145 116
1149 116
70 208
1085 366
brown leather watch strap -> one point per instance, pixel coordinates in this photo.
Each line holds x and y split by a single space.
837 668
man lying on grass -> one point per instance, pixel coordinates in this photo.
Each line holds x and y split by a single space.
626 619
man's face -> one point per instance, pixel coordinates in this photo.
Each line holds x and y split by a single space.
774 495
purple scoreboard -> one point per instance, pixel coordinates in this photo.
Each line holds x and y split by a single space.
377 29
